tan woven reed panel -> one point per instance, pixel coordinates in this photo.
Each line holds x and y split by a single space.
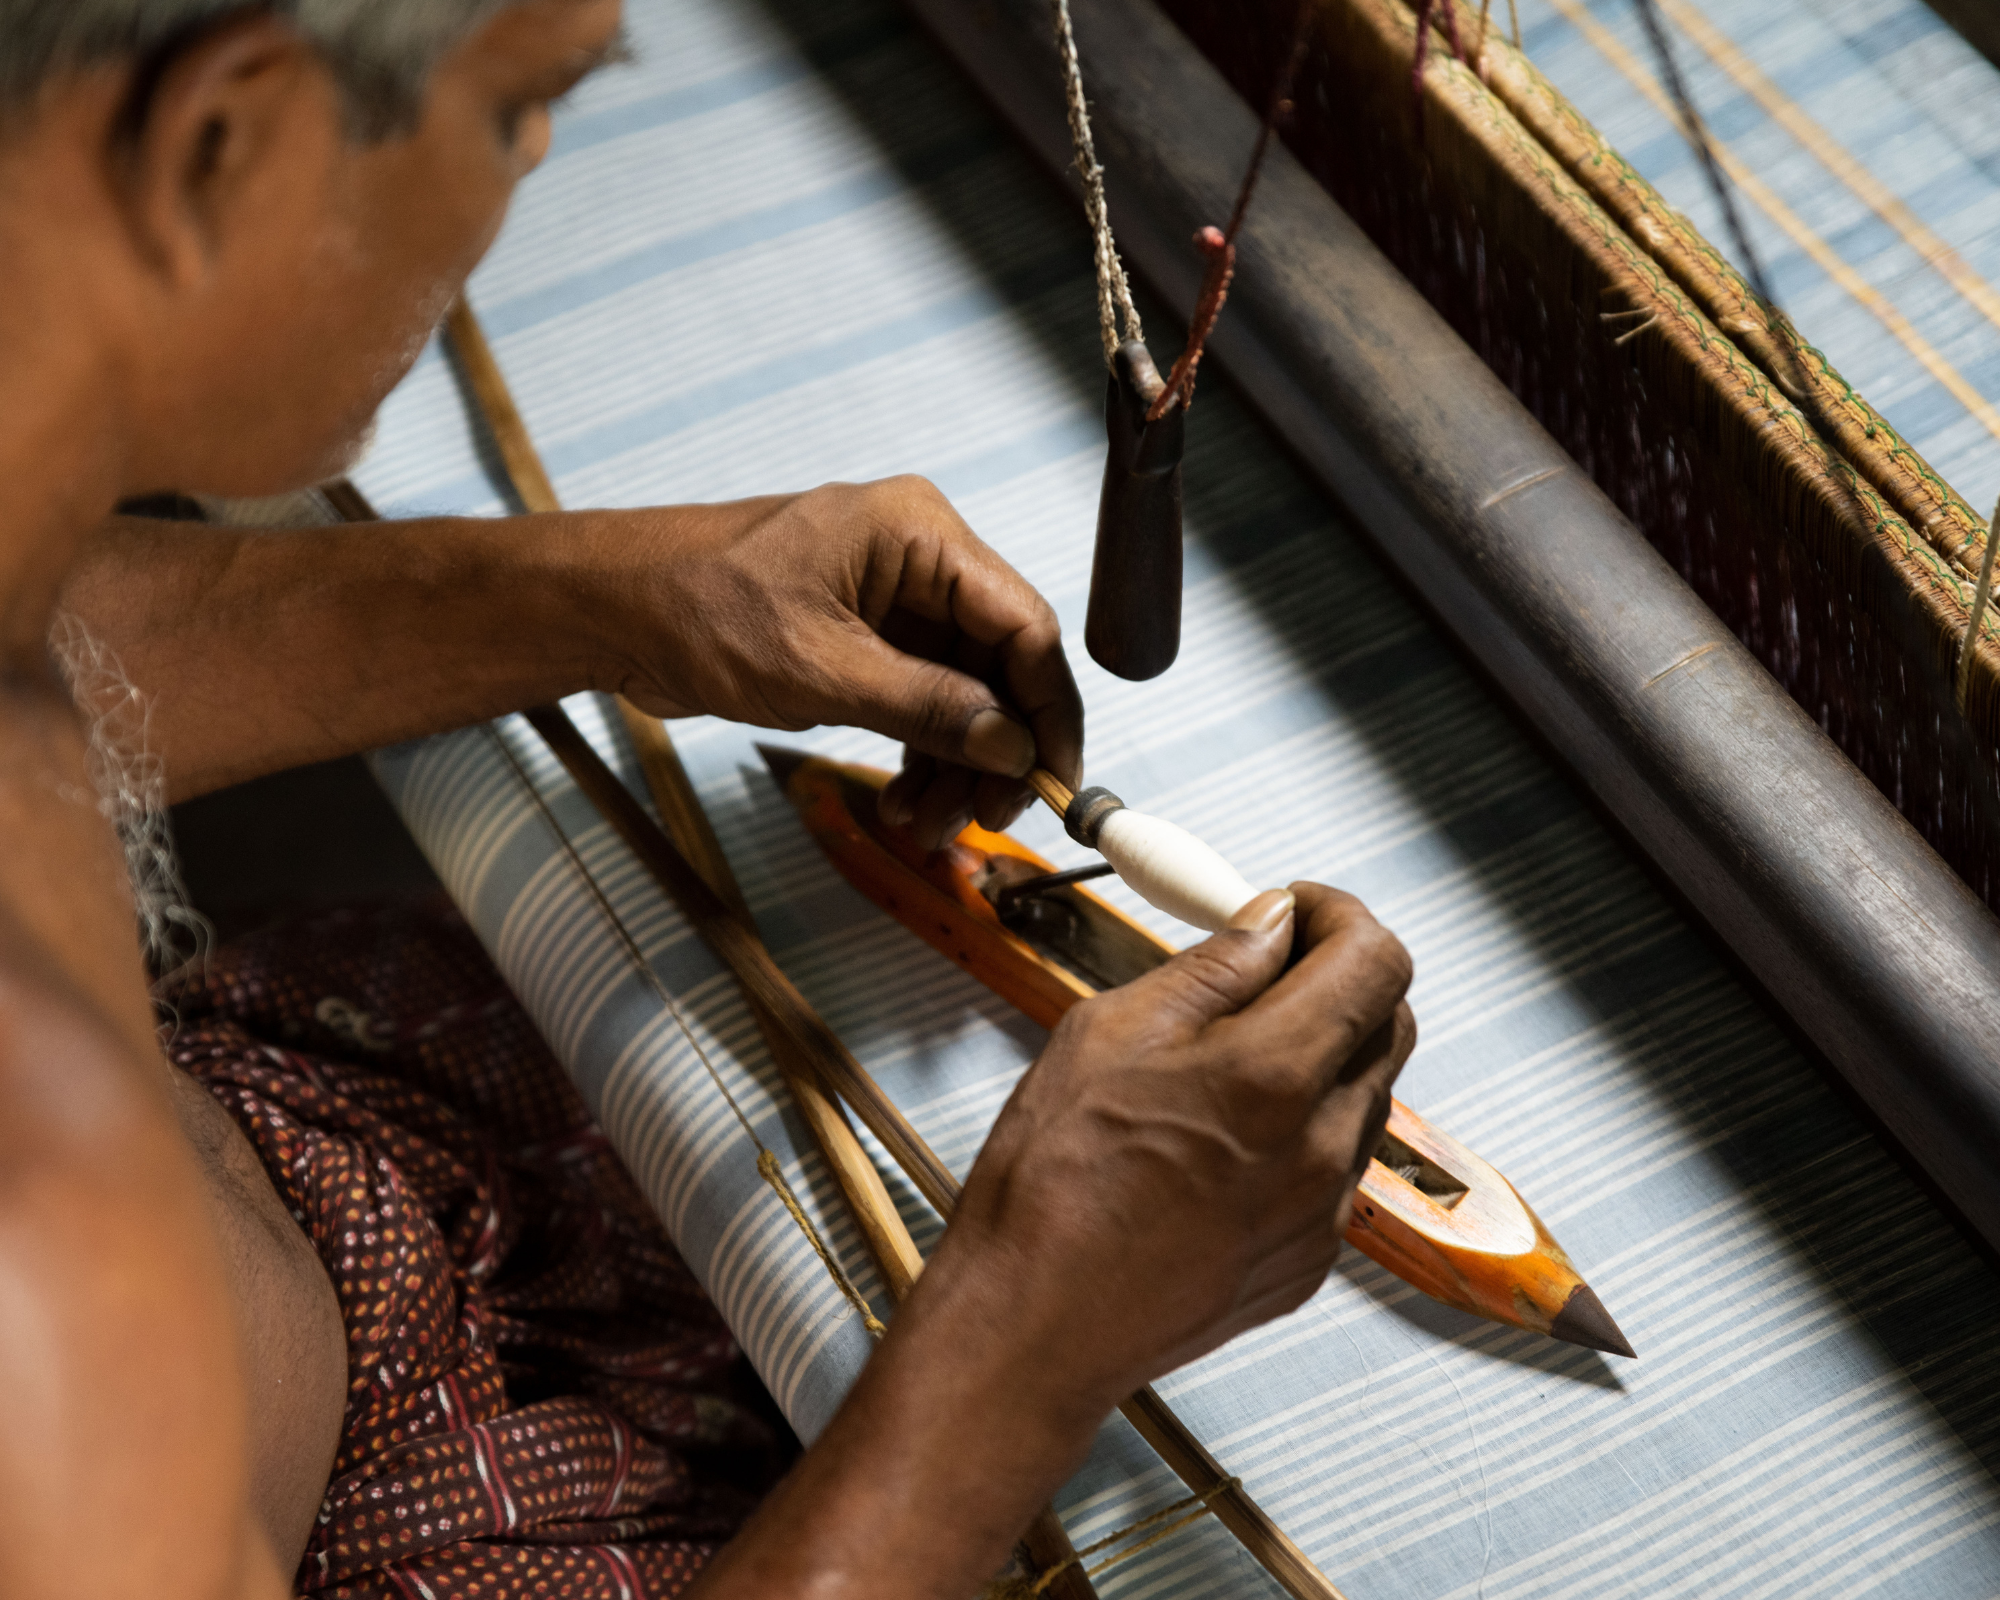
1526 230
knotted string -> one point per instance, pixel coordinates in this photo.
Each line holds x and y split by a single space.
1219 244
768 1166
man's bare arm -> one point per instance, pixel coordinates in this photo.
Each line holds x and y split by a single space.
872 605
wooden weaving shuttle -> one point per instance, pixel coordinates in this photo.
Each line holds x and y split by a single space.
1428 1209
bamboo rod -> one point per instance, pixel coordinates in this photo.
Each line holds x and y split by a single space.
881 1225
1055 794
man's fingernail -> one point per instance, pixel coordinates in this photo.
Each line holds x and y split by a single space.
995 742
1266 914
894 809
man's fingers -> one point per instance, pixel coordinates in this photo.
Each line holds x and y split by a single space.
944 808
935 709
1222 974
1347 1126
1041 686
1349 977
997 803
898 805
948 572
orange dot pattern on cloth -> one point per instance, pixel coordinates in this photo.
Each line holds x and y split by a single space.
530 1362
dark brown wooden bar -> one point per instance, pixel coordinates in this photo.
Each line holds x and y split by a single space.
1881 955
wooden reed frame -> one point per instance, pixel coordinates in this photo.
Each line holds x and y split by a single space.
1548 253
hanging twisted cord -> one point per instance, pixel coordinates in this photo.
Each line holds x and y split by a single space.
768 1166
1114 290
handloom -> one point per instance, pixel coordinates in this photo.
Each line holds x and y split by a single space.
859 239
1467 1240
1883 959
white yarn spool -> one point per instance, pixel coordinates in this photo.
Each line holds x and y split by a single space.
1170 868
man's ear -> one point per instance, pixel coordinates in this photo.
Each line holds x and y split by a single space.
201 137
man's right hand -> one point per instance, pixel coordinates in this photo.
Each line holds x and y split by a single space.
1179 1164
1177 1167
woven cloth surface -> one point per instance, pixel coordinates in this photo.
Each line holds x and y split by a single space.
789 245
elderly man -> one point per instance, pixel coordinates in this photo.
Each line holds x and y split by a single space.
225 229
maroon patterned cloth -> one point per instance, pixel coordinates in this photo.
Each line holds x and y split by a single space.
535 1378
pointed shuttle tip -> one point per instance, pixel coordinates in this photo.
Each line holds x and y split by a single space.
1583 1320
782 762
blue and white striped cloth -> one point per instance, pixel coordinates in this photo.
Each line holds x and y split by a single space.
789 246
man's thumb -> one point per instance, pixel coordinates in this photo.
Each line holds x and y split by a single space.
935 709
1223 974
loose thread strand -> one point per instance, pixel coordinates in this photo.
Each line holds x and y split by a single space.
1114 289
768 1166
1795 378
1196 1506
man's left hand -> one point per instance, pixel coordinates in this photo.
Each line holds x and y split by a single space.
866 604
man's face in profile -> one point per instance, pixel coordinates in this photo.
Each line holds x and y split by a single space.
286 272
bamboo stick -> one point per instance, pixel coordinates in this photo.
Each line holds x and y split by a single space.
1054 793
889 1241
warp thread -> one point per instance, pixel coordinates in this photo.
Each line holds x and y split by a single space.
768 1166
1114 290
1195 1507
1980 594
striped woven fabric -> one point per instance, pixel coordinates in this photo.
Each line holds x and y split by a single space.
788 246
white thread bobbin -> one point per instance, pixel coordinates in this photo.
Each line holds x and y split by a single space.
1166 866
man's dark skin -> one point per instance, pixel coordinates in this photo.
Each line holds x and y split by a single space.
212 290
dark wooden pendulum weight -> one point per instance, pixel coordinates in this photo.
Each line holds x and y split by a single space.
1134 624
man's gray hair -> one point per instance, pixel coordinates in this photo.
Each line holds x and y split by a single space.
381 50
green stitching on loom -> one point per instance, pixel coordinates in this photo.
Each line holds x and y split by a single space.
1653 204
1926 564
